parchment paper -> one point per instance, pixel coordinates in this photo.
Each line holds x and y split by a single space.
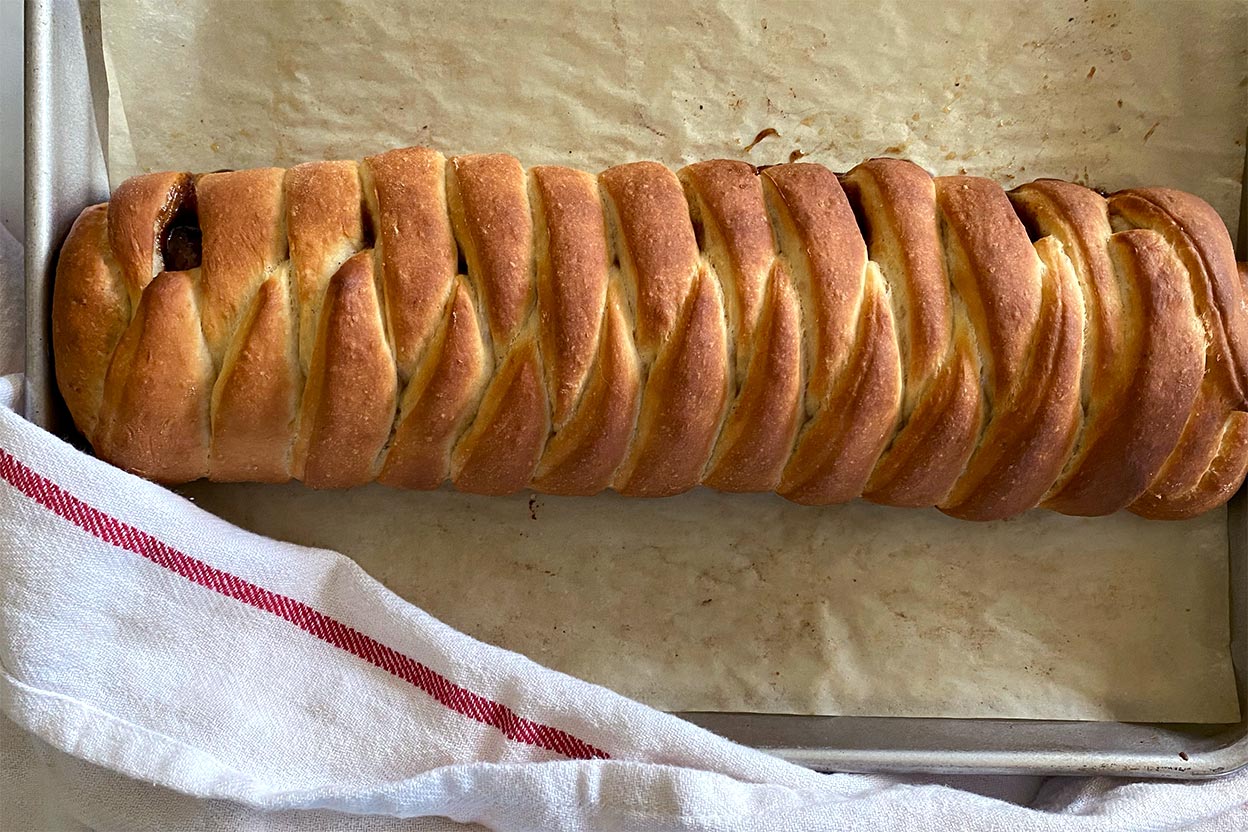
714 602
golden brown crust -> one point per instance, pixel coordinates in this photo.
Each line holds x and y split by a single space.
764 325
827 259
656 247
324 221
573 261
1201 240
1144 349
927 456
726 202
440 400
139 212
256 398
683 403
758 433
838 448
154 416
1211 458
996 273
896 202
1140 429
585 452
90 311
1027 311
489 207
593 372
651 332
501 449
406 194
853 386
941 408
1208 466
1079 218
679 330
242 218
349 399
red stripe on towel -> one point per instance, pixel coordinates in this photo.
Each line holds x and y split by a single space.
459 699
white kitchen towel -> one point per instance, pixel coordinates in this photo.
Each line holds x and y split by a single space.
153 640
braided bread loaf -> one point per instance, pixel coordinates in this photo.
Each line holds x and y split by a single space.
884 334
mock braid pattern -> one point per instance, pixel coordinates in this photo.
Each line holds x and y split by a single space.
916 341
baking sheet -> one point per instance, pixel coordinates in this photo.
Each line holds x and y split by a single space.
710 602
